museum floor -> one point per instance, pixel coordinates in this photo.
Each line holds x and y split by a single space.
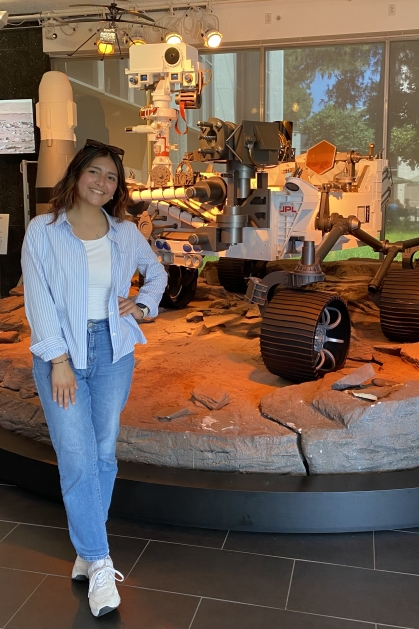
178 578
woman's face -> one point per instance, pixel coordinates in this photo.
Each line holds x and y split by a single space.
98 182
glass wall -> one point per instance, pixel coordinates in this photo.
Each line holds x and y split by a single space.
332 93
403 140
233 93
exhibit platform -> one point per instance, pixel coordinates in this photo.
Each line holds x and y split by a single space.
232 500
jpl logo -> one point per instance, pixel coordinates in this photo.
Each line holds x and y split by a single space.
288 208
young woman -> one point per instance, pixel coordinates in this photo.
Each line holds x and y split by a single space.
77 263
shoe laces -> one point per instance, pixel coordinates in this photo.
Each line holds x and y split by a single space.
100 577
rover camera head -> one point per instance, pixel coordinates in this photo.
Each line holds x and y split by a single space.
172 56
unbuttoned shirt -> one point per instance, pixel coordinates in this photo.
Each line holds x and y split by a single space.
56 276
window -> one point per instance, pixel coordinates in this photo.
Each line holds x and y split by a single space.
403 140
332 93
233 94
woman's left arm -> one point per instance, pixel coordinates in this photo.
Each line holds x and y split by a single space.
155 276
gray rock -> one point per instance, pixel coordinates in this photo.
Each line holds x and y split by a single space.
220 320
377 437
410 354
222 304
4 365
354 379
17 290
167 414
253 333
360 351
253 312
8 337
379 357
383 382
213 450
19 376
382 392
293 405
10 322
8 304
213 312
384 348
23 416
342 434
194 317
25 394
199 404
201 330
213 397
218 292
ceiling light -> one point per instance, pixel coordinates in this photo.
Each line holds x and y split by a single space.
137 41
212 38
173 38
104 48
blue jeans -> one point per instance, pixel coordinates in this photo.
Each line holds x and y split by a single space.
84 437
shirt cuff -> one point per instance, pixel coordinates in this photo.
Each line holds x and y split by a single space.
49 348
151 305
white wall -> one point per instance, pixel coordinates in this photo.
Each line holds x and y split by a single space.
245 21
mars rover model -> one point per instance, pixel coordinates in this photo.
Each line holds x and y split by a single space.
267 205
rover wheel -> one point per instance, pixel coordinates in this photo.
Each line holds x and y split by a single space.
399 305
181 287
305 334
234 272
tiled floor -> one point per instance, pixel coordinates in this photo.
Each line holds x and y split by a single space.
180 578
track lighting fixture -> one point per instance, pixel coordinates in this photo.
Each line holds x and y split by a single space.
104 49
212 38
173 38
137 41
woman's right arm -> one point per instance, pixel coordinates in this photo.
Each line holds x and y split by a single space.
47 340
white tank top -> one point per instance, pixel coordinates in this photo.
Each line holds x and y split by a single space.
99 256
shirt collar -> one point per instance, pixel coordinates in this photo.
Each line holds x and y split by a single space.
62 218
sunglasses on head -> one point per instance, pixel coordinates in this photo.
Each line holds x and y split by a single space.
99 145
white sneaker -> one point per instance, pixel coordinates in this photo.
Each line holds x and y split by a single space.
80 570
103 595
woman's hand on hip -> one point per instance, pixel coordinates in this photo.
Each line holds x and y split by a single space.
64 384
127 306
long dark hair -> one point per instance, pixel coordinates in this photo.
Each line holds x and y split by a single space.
65 191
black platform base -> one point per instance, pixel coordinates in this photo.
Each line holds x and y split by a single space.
233 501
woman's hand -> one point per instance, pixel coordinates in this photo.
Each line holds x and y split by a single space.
127 306
64 384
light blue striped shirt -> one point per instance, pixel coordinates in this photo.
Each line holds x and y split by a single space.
56 276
